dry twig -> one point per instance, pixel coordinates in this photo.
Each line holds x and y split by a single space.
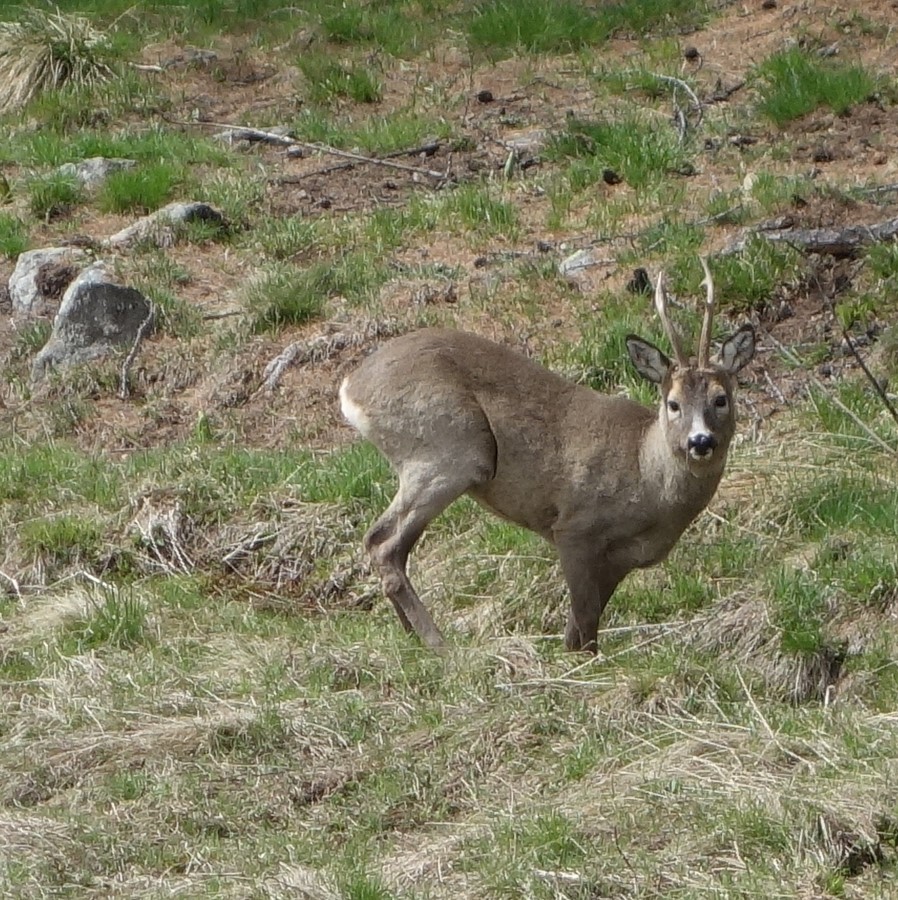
324 148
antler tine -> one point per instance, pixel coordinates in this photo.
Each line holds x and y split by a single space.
673 337
704 344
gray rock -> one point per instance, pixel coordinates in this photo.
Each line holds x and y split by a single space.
31 285
529 143
95 317
160 227
91 173
574 264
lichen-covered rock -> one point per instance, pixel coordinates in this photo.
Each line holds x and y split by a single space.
39 278
159 228
91 173
96 316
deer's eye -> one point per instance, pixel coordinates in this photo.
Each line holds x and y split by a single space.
720 401
673 406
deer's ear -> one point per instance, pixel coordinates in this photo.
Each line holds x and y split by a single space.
737 351
649 361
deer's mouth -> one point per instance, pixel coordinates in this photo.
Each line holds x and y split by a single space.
701 454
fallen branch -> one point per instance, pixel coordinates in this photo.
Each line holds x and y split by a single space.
145 326
721 94
679 114
427 149
320 349
843 243
284 141
880 390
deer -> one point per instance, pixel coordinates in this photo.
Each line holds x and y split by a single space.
610 483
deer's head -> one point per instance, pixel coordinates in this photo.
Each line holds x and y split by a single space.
696 393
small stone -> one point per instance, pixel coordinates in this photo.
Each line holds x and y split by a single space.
485 97
609 176
768 4
692 54
823 155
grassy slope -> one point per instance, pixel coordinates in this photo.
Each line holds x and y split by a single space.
203 694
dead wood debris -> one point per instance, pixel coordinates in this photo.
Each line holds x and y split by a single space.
842 243
322 348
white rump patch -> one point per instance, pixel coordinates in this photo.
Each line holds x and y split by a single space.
352 412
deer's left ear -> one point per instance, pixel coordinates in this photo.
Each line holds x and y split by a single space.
649 361
737 351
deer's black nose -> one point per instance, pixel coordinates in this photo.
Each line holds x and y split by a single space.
702 443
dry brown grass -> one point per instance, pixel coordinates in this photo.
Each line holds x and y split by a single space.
46 50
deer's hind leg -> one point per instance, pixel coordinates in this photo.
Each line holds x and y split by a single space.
427 485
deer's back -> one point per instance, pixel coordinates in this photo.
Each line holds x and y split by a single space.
556 445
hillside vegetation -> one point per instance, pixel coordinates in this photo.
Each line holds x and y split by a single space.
202 690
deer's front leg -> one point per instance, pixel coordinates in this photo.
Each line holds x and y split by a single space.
591 581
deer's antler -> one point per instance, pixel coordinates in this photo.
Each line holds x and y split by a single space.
661 306
704 344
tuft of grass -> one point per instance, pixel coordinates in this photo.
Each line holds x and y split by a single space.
52 196
142 189
63 540
328 79
46 50
118 620
537 26
283 238
563 26
474 207
397 29
793 83
283 295
641 152
13 236
748 280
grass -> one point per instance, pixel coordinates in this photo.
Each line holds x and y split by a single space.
328 80
284 296
561 26
202 688
45 50
793 83
641 152
52 196
141 190
13 235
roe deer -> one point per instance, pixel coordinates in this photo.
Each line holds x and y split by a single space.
611 483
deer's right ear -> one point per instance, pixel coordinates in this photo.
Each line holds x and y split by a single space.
649 361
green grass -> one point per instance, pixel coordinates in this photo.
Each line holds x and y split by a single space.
13 235
747 280
52 196
140 190
793 83
328 80
478 208
560 26
638 150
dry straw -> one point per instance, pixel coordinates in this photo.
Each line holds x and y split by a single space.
45 50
